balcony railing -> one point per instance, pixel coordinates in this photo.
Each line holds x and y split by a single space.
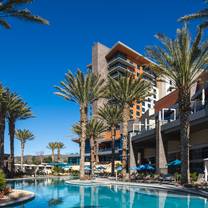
149 73
168 116
108 149
122 60
120 68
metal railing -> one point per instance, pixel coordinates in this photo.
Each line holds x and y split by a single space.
167 117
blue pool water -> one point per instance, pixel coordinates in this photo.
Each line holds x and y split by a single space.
55 193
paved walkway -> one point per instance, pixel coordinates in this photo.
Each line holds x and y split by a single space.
173 188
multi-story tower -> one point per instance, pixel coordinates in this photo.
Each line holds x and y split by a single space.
119 60
115 62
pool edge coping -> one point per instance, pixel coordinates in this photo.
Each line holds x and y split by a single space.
30 196
145 185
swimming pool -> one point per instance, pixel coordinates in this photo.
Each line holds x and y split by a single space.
57 194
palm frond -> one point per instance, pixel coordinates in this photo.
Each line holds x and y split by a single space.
5 24
11 8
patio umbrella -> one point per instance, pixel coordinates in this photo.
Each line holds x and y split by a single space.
149 167
133 168
87 168
101 168
67 167
141 167
174 163
119 168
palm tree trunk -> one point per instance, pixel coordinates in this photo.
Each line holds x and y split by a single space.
96 150
2 131
125 116
185 112
22 154
52 155
113 133
59 154
92 155
11 134
83 114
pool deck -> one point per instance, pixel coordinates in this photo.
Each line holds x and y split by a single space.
167 187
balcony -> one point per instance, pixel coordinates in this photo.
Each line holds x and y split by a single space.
121 60
119 69
106 151
148 72
170 121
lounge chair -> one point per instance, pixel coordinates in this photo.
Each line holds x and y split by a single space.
167 178
200 180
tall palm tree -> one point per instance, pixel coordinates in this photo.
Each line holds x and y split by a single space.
200 15
125 91
94 129
59 146
83 90
11 8
23 136
112 116
182 60
16 110
52 146
3 111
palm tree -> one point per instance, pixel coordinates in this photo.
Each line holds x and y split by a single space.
52 146
3 111
125 91
112 116
59 146
23 136
83 90
182 60
200 15
16 110
11 8
94 129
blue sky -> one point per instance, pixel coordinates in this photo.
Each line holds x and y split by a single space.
34 58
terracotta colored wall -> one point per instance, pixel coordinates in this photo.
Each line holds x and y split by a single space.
107 135
166 101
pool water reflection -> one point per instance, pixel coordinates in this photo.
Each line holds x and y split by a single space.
56 193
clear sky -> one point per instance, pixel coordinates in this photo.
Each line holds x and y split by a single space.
34 58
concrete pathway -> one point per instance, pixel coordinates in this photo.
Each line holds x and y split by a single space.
167 187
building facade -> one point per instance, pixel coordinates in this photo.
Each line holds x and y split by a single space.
115 62
158 140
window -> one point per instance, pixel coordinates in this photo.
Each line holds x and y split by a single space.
154 96
131 112
205 152
138 107
138 113
143 103
149 105
143 110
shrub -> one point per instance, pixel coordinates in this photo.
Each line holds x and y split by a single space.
2 180
193 177
57 170
177 176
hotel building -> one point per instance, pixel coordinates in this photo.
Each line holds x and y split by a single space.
158 139
117 61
